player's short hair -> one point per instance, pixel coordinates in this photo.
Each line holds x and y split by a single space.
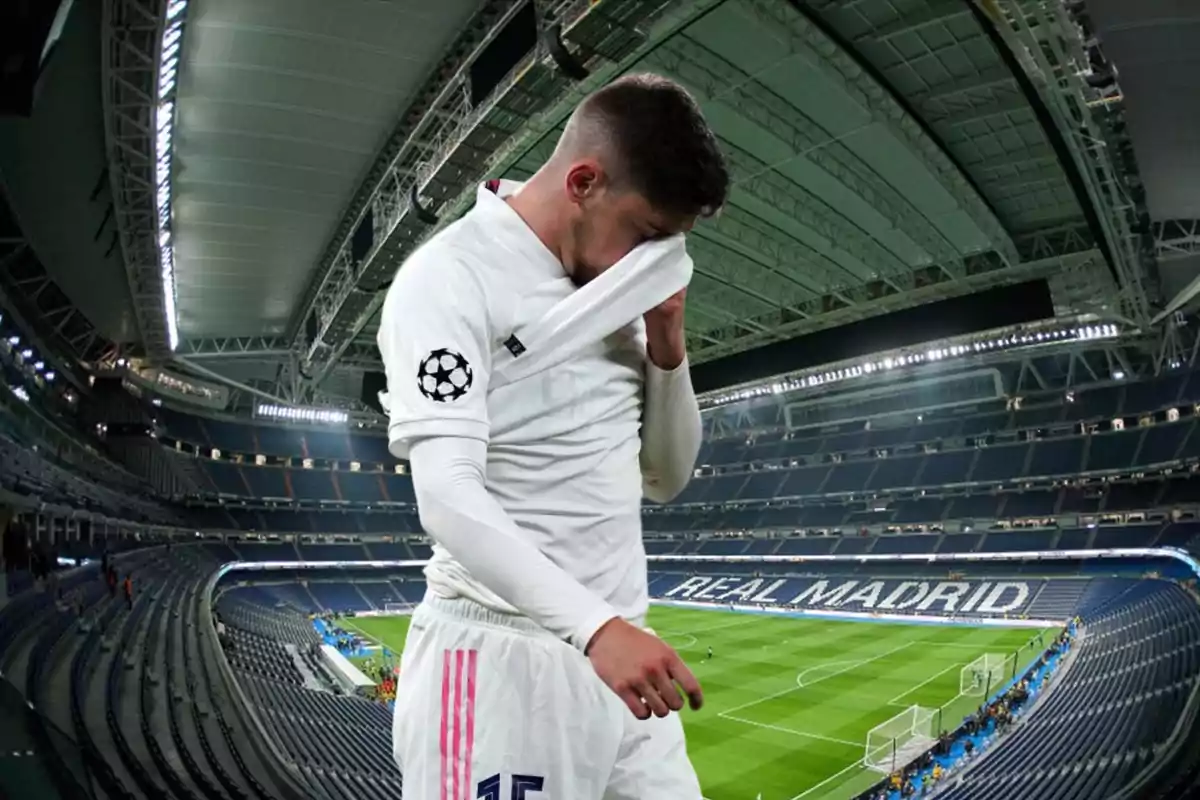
661 143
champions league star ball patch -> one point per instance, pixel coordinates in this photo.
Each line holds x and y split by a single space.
444 376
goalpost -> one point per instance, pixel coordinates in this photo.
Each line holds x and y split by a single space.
902 738
984 674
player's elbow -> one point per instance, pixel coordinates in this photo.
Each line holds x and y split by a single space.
659 488
436 511
667 470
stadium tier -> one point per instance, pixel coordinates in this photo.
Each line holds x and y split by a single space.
1106 450
917 282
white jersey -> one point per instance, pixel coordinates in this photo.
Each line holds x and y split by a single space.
563 444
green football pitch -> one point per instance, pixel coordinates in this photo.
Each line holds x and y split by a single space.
789 701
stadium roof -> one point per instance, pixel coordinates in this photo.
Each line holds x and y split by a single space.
886 154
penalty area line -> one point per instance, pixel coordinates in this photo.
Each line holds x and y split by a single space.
895 700
800 683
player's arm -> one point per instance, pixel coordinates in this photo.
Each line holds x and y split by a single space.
458 512
671 426
435 307
435 338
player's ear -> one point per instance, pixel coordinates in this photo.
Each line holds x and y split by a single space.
583 181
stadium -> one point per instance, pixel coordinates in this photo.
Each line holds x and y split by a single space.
943 535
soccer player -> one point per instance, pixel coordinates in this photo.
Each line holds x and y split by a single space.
710 653
528 667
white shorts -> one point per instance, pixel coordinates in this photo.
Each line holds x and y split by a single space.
492 706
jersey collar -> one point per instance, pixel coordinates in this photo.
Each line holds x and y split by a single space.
500 218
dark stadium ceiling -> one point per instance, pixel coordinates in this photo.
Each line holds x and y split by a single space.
886 154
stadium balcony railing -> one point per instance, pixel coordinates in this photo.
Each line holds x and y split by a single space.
1182 535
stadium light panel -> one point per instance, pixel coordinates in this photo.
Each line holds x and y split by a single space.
304 414
168 72
807 379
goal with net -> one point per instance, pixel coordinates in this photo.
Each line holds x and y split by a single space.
902 738
985 674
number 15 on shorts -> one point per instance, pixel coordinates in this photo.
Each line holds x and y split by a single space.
522 785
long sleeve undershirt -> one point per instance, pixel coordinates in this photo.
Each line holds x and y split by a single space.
457 511
460 515
671 432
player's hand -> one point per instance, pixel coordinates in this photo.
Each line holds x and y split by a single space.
665 341
642 669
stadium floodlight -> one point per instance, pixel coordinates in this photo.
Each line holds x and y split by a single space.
14 340
164 125
303 414
49 376
919 354
899 740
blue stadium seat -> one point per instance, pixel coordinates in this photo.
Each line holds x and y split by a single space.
311 484
1113 451
267 482
226 477
850 476
1000 463
1053 457
361 487
804 481
946 468
1162 443
332 445
900 471
1029 504
399 488
979 506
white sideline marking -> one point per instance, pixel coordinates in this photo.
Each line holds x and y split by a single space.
930 679
792 731
856 765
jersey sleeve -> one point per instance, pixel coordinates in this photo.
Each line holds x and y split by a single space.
434 338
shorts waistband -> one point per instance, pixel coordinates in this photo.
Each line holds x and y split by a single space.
462 609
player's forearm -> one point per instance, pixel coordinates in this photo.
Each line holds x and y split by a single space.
457 511
671 432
